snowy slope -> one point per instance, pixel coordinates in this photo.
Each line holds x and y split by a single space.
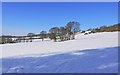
94 53
87 61
82 42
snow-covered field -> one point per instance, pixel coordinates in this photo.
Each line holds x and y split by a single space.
93 53
82 42
87 61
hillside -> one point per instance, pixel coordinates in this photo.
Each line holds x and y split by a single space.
112 28
82 42
93 53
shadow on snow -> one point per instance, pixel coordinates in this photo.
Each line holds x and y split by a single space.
103 60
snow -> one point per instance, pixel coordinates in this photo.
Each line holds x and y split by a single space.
93 53
76 53
82 42
85 61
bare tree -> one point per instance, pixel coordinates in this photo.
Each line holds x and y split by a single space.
31 36
68 31
43 35
62 33
72 28
54 32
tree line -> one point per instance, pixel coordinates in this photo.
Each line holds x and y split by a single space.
112 28
62 33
